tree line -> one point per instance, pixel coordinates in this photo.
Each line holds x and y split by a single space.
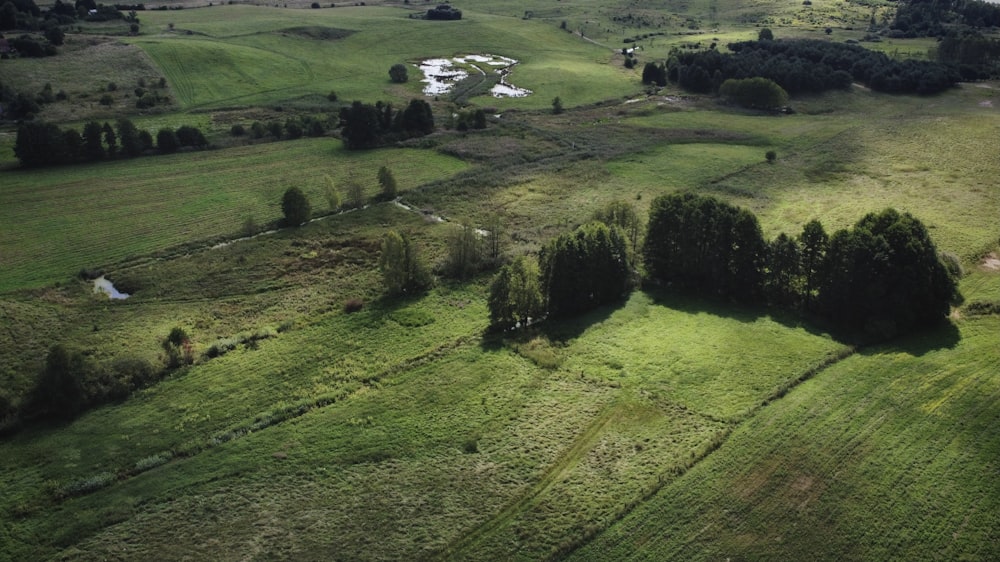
368 126
878 279
40 144
800 66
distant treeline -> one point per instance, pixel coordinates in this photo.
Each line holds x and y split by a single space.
802 66
879 279
40 144
937 18
444 12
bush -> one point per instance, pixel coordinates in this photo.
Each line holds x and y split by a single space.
398 73
295 206
353 305
237 130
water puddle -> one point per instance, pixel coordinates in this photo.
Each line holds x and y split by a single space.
102 285
441 75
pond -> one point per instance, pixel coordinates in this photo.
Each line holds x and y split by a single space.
441 74
102 285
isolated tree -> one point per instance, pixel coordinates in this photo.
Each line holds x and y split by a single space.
557 106
398 73
387 182
355 193
60 392
295 207
770 156
166 140
465 251
402 270
765 34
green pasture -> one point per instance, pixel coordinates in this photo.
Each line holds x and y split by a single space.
885 456
587 416
60 220
247 54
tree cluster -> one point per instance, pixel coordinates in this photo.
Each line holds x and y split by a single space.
41 144
802 66
444 12
881 278
924 18
403 272
575 272
369 126
976 56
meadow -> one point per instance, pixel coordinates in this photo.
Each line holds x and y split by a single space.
660 428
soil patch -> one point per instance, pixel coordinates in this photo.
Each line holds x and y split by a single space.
990 262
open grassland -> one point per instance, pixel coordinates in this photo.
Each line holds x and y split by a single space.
890 455
248 54
58 221
662 428
416 401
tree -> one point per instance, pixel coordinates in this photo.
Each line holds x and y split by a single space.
110 139
92 147
883 277
166 140
757 92
40 144
332 194
622 215
770 156
557 106
128 137
191 136
60 389
398 73
813 241
387 182
55 35
784 263
402 270
295 207
515 294
8 16
585 269
355 194
465 251
765 34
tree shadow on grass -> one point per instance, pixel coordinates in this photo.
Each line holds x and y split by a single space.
945 336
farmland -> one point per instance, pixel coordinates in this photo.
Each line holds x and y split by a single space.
664 427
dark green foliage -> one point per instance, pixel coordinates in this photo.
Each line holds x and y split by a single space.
653 73
402 270
813 242
191 136
801 66
8 16
258 130
295 206
237 130
17 105
883 277
770 156
293 129
110 139
703 245
128 138
166 140
784 266
60 389
765 34
55 35
557 106
40 144
93 148
387 182
585 269
444 12
369 126
398 73
757 93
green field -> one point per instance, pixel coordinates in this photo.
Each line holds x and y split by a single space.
659 428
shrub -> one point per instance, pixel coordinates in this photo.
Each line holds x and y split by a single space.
237 130
295 207
771 156
353 305
398 73
106 99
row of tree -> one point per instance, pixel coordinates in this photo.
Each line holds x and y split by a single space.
878 279
40 144
804 65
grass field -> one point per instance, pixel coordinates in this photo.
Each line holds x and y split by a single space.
660 428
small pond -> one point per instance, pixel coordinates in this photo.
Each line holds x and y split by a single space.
441 74
102 285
